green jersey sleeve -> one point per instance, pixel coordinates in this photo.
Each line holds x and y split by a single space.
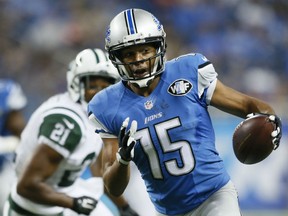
61 130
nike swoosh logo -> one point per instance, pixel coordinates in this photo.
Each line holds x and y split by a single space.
68 124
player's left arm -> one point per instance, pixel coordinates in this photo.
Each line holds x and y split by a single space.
236 103
223 97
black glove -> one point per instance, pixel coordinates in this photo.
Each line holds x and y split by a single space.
127 211
84 205
126 142
277 133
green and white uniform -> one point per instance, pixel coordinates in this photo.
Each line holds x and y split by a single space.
63 125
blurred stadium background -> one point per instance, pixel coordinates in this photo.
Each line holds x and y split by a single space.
246 40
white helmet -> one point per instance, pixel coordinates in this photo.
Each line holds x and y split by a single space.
133 27
89 62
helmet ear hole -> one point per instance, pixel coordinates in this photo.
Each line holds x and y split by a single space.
156 45
116 55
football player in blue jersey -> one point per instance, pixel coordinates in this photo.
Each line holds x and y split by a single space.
157 117
12 121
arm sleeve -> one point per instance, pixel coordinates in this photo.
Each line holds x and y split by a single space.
61 132
100 128
207 79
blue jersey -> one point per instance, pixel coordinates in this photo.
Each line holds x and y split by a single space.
11 98
175 150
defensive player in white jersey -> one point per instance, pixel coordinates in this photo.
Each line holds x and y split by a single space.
170 136
58 143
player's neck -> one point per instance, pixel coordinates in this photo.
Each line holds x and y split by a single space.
146 91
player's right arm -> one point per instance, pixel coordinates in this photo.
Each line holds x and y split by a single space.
120 201
59 134
116 170
117 157
115 174
32 183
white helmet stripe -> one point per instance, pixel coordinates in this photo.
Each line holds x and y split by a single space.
130 21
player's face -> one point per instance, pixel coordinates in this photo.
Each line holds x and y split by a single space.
94 85
139 59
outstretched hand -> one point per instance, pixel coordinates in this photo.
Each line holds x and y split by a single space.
126 142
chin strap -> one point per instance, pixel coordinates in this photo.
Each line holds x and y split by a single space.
142 83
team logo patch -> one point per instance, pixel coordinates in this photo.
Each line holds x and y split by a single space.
180 87
148 104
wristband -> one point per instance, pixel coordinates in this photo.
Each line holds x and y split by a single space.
120 160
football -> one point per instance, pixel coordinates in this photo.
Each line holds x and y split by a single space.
252 141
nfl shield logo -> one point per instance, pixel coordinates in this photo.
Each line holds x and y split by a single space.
148 105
